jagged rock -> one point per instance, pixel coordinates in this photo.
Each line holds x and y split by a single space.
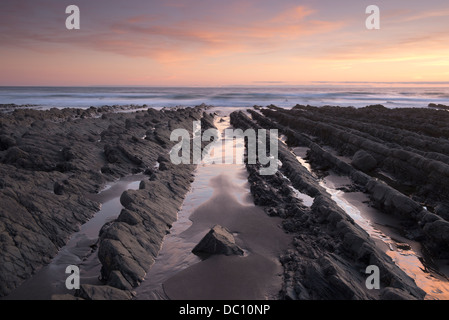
218 241
115 256
330 249
41 147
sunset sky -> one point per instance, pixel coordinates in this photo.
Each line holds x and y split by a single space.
213 43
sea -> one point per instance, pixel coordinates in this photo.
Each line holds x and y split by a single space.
237 96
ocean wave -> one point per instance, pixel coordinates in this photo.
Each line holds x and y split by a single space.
222 96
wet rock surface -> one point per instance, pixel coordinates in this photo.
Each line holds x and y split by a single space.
330 251
51 161
411 149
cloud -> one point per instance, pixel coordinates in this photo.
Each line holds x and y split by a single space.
216 38
166 39
426 15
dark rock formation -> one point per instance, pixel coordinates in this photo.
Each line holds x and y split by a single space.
218 241
412 168
50 161
129 245
438 106
330 251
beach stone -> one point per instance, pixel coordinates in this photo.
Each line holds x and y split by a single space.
363 161
218 241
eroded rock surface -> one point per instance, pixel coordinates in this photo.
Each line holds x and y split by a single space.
330 251
50 161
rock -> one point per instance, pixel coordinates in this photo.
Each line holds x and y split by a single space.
16 155
439 230
163 158
129 217
142 185
68 154
117 280
6 142
438 106
114 256
363 161
403 246
51 160
218 241
127 198
107 170
58 189
93 292
164 166
442 210
330 249
112 154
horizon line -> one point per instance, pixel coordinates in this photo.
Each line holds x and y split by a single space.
258 84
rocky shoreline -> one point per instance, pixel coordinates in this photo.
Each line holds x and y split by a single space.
409 150
331 252
50 161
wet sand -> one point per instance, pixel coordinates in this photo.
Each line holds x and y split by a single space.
256 275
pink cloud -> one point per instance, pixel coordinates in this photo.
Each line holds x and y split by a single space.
149 35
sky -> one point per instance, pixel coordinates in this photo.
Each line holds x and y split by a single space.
222 43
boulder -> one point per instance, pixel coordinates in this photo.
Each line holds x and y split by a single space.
218 241
363 161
